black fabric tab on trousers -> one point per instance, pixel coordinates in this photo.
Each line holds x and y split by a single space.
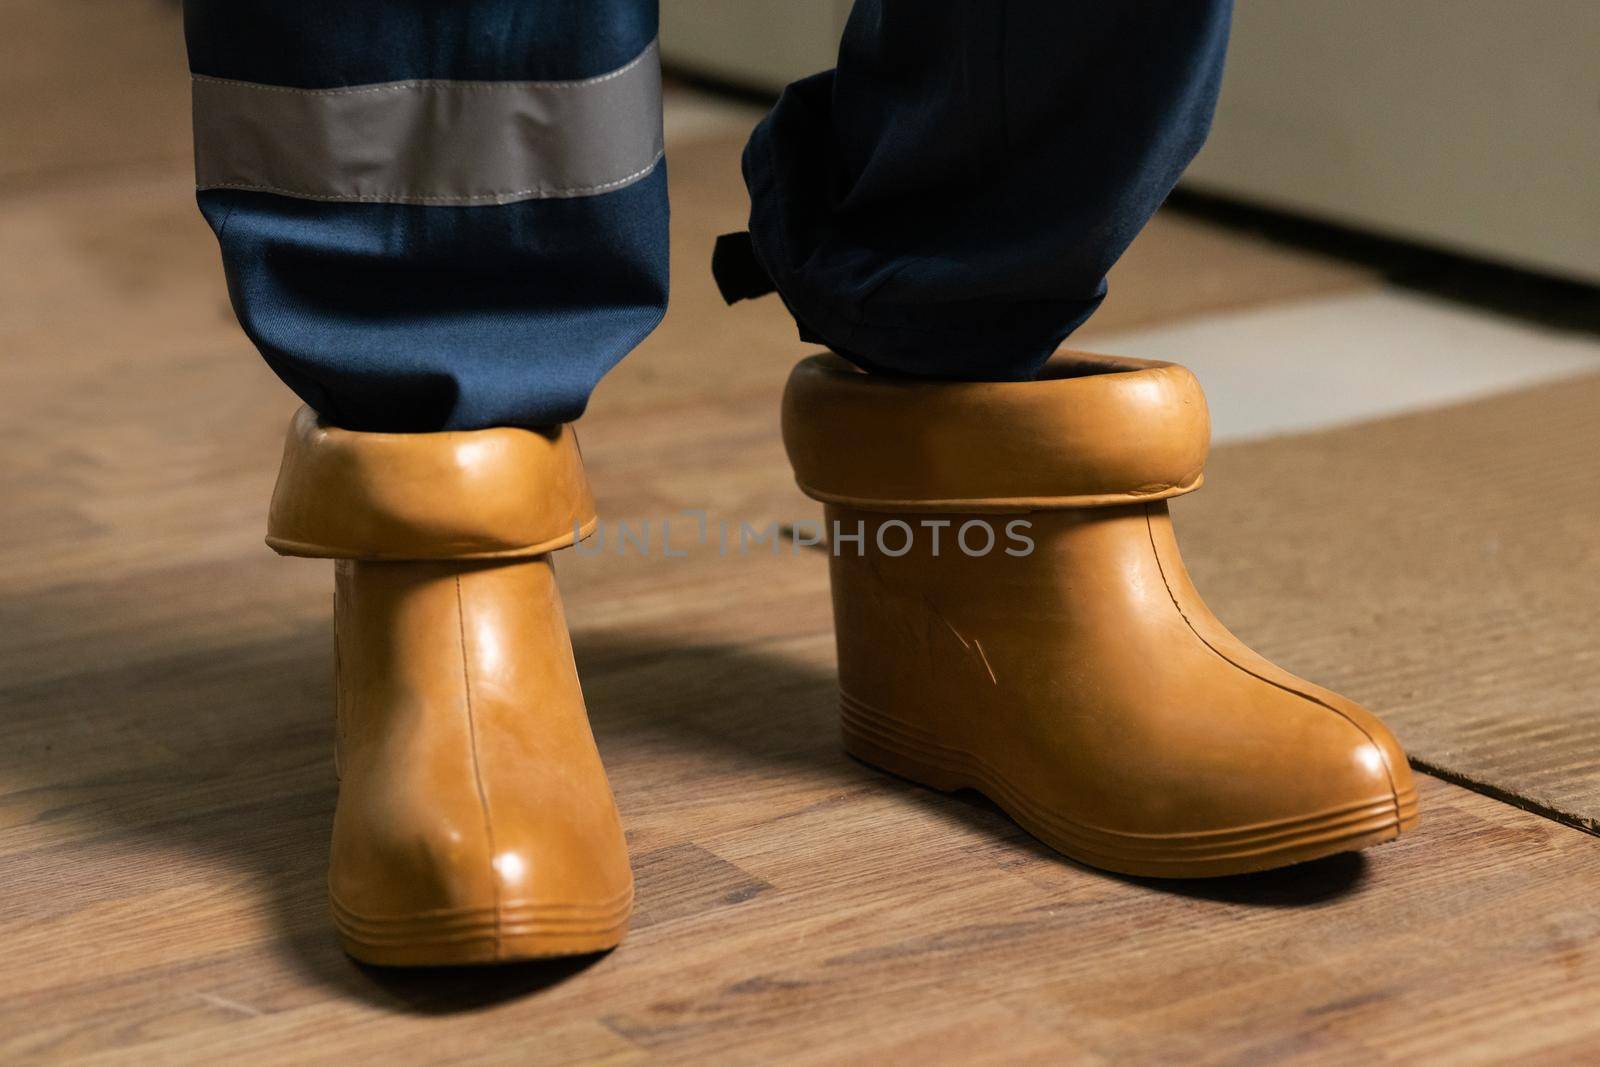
739 275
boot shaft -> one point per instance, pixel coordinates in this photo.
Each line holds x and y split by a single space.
420 644
474 821
960 603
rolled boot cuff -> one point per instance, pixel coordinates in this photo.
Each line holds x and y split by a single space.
477 494
1090 431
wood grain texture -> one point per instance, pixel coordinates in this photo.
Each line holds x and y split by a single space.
166 778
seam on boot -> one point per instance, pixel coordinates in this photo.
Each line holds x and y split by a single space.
1388 771
339 710
477 766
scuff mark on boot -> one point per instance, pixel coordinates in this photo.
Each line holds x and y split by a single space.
973 646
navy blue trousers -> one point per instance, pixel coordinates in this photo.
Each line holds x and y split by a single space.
945 203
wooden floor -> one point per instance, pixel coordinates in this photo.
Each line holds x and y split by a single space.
166 779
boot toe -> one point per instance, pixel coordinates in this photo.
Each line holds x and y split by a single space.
1324 778
1210 797
483 912
1376 763
558 898
415 889
1382 750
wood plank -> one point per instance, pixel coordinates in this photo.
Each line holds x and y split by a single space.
165 733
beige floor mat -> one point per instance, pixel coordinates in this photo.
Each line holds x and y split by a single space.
1442 567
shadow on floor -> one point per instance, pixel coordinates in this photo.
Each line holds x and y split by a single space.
233 766
452 990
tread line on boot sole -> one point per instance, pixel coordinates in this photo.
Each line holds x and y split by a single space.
1290 841
493 930
604 936
515 912
482 952
923 745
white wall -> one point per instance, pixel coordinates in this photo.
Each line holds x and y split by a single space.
1473 124
764 44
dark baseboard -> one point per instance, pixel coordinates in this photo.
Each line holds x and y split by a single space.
1540 298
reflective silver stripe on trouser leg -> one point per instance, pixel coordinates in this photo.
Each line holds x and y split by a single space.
432 142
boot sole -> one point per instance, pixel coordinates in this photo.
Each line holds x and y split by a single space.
511 933
905 750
